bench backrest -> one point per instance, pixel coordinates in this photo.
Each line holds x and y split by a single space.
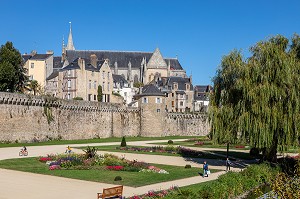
113 191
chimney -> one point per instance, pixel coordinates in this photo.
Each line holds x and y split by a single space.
49 52
81 63
33 52
94 60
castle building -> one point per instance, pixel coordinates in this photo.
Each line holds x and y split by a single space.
83 70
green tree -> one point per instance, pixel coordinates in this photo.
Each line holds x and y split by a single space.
257 100
33 86
99 95
12 73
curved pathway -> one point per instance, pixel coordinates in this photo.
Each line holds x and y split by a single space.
16 184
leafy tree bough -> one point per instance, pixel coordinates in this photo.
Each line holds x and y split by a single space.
256 100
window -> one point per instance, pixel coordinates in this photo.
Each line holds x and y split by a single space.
158 110
90 84
69 73
95 97
95 84
93 73
181 103
172 94
32 65
108 75
31 77
103 75
198 94
167 95
69 96
69 83
158 100
173 104
181 95
145 100
108 86
125 94
103 86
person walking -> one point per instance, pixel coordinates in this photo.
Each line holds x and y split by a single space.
205 169
228 163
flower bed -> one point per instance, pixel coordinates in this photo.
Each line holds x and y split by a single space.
106 162
240 146
154 194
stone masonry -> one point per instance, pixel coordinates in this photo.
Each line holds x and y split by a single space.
26 118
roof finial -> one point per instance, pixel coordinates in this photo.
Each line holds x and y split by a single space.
70 45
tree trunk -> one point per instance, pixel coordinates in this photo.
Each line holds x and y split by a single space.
271 153
227 153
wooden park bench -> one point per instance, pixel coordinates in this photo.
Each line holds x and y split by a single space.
112 192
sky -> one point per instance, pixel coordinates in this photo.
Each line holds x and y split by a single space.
198 32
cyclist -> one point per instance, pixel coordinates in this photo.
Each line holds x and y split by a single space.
24 149
68 150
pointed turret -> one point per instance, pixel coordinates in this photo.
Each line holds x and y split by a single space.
70 45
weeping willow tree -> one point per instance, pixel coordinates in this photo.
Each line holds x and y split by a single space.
257 100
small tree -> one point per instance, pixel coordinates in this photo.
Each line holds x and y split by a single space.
123 143
99 96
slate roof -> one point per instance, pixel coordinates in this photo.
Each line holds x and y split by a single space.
40 56
180 81
174 63
57 63
88 66
150 90
202 92
202 88
26 57
121 57
53 75
119 78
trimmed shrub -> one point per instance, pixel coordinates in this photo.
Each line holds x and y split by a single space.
188 166
254 151
170 142
77 98
118 178
123 143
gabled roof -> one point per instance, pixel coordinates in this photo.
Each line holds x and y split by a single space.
174 63
88 66
119 78
121 57
202 88
150 90
40 56
26 57
180 81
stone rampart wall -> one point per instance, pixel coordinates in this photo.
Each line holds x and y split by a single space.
26 118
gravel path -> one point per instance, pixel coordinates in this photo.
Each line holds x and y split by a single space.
16 184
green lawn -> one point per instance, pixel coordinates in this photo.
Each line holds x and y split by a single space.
207 144
134 179
112 148
98 140
207 155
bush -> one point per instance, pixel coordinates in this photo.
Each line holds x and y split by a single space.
188 166
123 143
170 142
254 151
118 178
90 152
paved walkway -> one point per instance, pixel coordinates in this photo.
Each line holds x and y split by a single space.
16 184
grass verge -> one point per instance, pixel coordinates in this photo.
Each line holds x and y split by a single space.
98 140
134 179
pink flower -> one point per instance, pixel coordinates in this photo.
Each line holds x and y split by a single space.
54 167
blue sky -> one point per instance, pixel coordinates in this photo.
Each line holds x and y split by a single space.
199 32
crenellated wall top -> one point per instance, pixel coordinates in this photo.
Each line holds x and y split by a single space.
31 100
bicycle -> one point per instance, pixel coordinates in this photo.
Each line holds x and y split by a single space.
23 153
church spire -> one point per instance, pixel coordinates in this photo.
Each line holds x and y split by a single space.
70 45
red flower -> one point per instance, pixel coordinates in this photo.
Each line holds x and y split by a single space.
45 159
116 168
